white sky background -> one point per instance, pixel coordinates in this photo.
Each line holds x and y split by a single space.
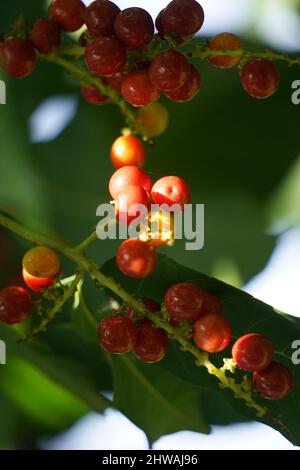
278 284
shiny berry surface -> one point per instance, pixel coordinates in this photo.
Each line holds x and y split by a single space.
126 209
182 17
129 176
17 57
185 301
169 70
115 81
134 27
127 150
35 283
189 89
105 56
138 90
93 96
68 14
152 343
171 190
225 41
275 382
45 36
260 78
136 258
117 334
14 305
41 262
252 352
212 332
100 17
212 303
153 119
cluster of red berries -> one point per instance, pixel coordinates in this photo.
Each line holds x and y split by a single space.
41 267
201 314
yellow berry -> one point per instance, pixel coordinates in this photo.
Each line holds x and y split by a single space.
153 119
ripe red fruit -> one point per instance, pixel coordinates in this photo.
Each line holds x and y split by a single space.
35 283
182 17
252 352
45 36
260 78
92 95
221 42
105 56
17 57
129 176
171 190
100 17
69 14
212 332
275 382
117 334
169 70
212 303
115 81
138 90
152 343
127 150
126 200
136 258
189 89
14 305
134 27
158 23
185 301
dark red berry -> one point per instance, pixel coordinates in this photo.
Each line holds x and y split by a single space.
92 95
171 190
212 332
17 57
14 305
128 176
275 382
185 301
134 27
158 23
212 303
260 78
189 89
69 14
136 258
222 42
169 70
105 56
252 352
138 90
115 81
117 334
182 17
127 201
35 283
152 343
45 36
100 16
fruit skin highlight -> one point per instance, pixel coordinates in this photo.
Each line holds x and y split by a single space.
136 258
117 334
127 150
252 352
275 382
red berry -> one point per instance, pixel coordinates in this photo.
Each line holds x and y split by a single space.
212 332
150 304
171 190
105 56
275 382
138 90
158 23
117 334
252 352
136 258
128 176
152 343
127 150
115 81
185 301
182 17
260 78
92 95
100 17
189 89
134 27
69 14
221 42
212 303
37 284
169 70
17 57
45 36
14 305
125 203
